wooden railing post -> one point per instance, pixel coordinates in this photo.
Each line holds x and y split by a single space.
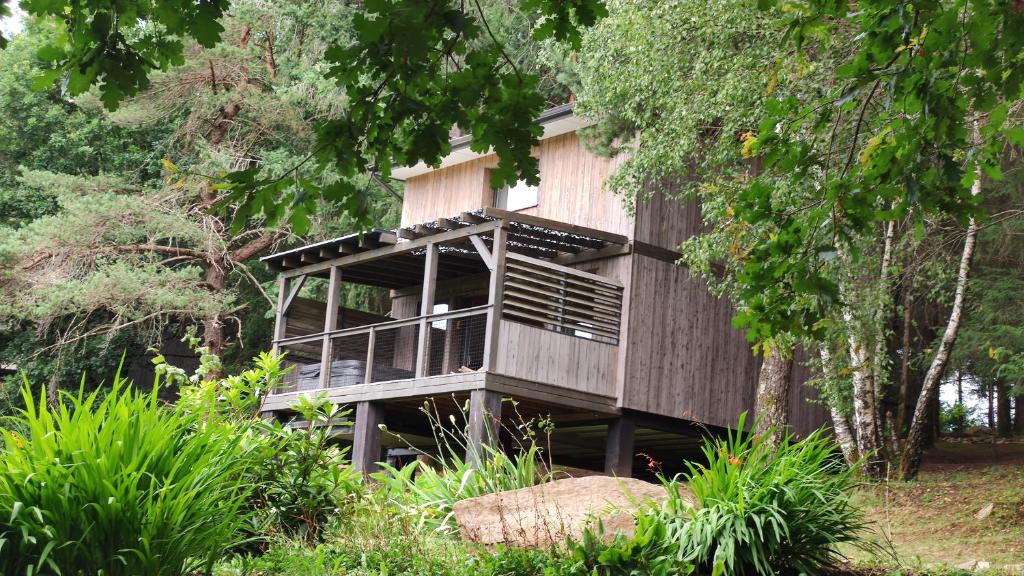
426 308
280 319
370 344
330 324
494 298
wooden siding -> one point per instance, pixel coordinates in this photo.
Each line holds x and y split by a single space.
666 222
544 356
571 189
447 192
683 358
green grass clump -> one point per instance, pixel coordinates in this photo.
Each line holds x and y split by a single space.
119 485
765 510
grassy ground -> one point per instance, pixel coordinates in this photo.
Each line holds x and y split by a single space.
932 520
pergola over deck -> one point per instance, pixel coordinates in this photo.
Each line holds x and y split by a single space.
535 327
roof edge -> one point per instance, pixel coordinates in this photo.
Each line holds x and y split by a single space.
556 121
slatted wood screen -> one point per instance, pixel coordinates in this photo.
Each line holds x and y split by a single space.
561 299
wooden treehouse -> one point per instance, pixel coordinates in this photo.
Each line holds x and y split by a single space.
553 296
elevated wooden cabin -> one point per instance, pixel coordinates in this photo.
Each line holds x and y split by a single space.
554 296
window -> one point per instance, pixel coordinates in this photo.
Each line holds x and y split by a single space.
517 197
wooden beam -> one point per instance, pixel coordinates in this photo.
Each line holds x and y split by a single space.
330 323
425 231
287 262
327 253
367 242
557 247
657 252
293 292
484 424
400 248
589 255
307 258
389 238
406 234
370 346
494 299
448 224
482 250
366 435
472 218
618 455
281 320
426 307
555 225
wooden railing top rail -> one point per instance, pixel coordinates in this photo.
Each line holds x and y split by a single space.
341 333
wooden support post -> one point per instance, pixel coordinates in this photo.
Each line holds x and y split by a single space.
330 324
426 308
484 423
366 445
618 455
495 297
281 319
370 345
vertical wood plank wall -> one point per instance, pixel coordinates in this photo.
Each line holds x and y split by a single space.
571 189
717 371
540 355
683 358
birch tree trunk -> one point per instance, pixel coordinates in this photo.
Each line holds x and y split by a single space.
841 426
771 407
910 461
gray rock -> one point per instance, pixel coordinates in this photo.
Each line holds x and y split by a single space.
546 514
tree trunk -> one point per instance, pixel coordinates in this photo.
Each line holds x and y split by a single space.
840 419
213 325
771 407
865 412
1004 427
910 462
901 411
990 392
1018 416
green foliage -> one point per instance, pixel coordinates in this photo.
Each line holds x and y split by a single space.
120 484
955 418
308 484
762 510
116 44
652 550
303 481
923 96
429 493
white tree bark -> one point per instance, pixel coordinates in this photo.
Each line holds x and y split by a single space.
840 419
910 462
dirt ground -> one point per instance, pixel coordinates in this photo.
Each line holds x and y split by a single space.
933 520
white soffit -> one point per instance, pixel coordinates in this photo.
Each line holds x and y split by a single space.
461 153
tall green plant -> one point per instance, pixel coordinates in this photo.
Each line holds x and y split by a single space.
762 510
119 485
430 493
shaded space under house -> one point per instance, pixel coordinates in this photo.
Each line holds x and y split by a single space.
552 296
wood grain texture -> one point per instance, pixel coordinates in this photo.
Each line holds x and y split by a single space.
562 360
571 189
684 359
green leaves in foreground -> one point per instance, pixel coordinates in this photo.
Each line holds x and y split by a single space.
766 510
120 485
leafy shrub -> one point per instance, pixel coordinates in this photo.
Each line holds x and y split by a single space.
762 510
119 485
956 418
429 493
650 551
303 478
305 485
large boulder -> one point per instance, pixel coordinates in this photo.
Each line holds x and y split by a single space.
546 514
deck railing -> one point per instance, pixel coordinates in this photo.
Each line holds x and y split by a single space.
387 351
